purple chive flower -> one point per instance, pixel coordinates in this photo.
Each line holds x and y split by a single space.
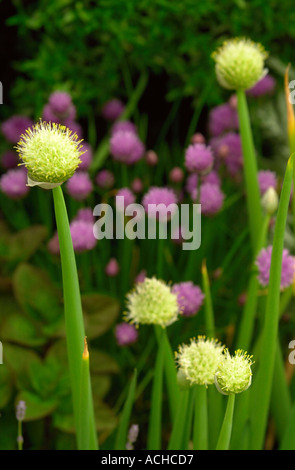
14 183
129 198
137 185
82 235
223 118
86 157
266 179
126 147
151 158
211 198
265 86
125 126
113 109
126 334
198 158
176 175
60 103
189 296
263 262
85 214
140 276
74 127
161 197
105 179
198 138
192 182
228 150
13 127
79 186
212 177
112 268
9 160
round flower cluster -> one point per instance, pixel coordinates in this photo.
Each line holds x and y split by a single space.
265 86
263 262
126 147
267 179
223 118
79 186
152 302
198 158
82 235
105 179
126 334
234 373
160 203
228 150
189 296
113 109
14 183
124 126
211 198
14 127
124 197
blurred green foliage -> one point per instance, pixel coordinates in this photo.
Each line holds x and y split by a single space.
97 49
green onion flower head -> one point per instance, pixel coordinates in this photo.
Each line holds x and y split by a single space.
239 63
270 201
199 360
234 373
152 302
50 152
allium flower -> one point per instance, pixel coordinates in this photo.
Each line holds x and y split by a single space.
211 198
14 183
128 196
199 360
152 302
223 118
61 104
113 109
126 334
160 203
14 127
266 179
263 262
265 86
125 126
151 158
239 64
270 201
79 186
126 147
112 268
86 157
85 214
82 235
198 138
176 175
105 179
234 373
189 296
141 276
9 160
198 158
50 152
228 149
74 127
137 185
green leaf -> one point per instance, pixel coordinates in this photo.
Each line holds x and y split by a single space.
6 386
21 245
100 312
36 407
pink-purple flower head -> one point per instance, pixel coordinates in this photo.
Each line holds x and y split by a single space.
59 108
126 147
263 262
199 158
86 157
124 198
125 126
126 334
223 118
191 185
14 183
228 150
265 86
267 179
79 186
14 127
112 268
189 296
85 214
105 179
211 198
113 109
82 235
160 203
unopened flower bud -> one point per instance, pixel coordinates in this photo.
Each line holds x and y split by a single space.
270 201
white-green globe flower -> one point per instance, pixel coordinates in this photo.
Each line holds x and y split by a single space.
239 64
234 373
199 360
50 152
270 201
152 302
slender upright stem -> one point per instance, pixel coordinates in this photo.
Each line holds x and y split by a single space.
200 431
226 430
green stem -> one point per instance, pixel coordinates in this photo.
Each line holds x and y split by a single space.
200 431
209 314
84 397
250 169
226 430
73 314
176 438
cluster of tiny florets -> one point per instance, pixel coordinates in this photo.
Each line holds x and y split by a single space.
50 152
234 373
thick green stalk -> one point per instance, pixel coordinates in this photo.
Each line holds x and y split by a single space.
226 430
200 430
73 314
250 169
84 397
261 389
176 438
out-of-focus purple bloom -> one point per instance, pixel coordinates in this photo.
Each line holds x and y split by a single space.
223 118
137 185
192 182
82 235
74 127
211 198
60 102
266 179
112 268
79 186
14 183
86 157
126 126
212 177
228 150
198 138
126 147
265 86
263 262
13 127
189 296
151 158
156 202
113 109
140 276
199 158
85 214
105 179
129 198
126 334
9 160
176 175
